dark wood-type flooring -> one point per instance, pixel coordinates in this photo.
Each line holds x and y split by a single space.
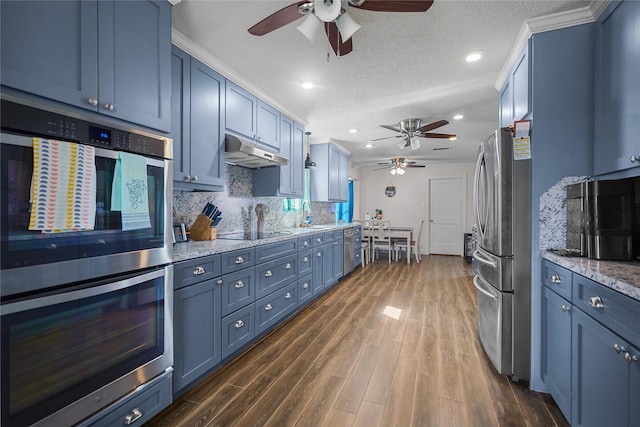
390 345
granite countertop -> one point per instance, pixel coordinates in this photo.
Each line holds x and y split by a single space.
195 249
623 277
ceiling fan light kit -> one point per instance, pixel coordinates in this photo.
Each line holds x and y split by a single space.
347 26
311 28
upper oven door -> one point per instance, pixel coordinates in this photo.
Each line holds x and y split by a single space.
33 259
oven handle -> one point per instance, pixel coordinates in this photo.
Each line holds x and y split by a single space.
81 293
476 283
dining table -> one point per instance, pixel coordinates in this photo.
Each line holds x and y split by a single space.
397 232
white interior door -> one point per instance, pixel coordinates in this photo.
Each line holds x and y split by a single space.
446 213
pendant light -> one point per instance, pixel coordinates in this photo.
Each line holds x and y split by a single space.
308 163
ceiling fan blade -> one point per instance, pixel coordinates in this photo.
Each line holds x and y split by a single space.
386 137
438 135
391 128
396 6
432 126
340 47
284 16
414 166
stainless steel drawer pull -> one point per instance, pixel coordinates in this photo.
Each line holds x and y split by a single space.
287 296
629 358
268 307
239 260
596 302
268 273
319 240
305 259
305 243
199 270
635 158
287 267
555 279
239 284
565 308
108 106
319 254
219 282
132 416
92 101
305 285
618 348
239 324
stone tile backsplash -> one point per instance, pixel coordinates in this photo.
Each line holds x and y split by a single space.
238 206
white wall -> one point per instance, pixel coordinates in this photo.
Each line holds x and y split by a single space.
408 206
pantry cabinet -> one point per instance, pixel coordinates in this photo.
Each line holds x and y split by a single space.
330 178
197 124
110 57
617 114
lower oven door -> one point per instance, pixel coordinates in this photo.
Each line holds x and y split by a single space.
67 355
495 327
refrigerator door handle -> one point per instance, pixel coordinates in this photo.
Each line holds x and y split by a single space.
480 258
479 287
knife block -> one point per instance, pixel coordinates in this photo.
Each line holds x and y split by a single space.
201 229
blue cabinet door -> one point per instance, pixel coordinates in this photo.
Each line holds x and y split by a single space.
297 161
181 115
317 275
556 349
506 102
600 375
338 259
328 271
267 125
196 333
334 178
286 149
520 86
617 118
240 110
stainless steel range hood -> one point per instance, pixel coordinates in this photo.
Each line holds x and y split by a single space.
248 154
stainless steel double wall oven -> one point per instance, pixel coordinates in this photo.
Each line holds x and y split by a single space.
86 314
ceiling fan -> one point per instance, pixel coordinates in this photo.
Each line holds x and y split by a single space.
399 164
412 129
338 25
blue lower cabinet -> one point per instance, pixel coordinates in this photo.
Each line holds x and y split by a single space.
273 275
238 290
305 289
276 306
238 329
304 263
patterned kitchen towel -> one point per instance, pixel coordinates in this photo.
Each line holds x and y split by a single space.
129 191
63 186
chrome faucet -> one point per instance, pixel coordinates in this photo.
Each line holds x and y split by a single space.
304 221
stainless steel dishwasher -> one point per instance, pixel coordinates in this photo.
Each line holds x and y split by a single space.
347 251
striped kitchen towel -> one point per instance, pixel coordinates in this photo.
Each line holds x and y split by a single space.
63 186
129 191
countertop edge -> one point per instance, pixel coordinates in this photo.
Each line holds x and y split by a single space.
623 277
195 249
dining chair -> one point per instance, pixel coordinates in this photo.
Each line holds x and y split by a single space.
414 245
381 230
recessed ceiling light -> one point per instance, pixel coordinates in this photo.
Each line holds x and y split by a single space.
458 117
307 85
369 145
354 130
473 56
453 138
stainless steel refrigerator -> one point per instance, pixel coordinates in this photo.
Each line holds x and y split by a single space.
502 258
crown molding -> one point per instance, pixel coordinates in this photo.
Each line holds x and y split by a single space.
555 21
180 40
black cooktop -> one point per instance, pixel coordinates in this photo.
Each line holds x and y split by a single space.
252 235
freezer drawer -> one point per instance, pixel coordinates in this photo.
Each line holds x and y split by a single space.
495 270
495 325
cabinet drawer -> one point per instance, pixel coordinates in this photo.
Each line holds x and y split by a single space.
337 235
197 270
304 263
140 406
272 308
237 330
305 289
273 275
319 239
276 250
618 312
238 290
557 278
305 242
237 260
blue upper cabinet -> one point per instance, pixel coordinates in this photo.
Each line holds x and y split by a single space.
515 102
112 57
330 179
252 118
617 115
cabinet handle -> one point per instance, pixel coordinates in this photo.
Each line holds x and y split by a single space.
239 260
555 279
319 254
596 302
635 158
319 240
199 270
287 267
239 324
268 273
239 284
219 282
108 106
268 307
305 259
565 308
132 416
305 243
92 101
195 178
187 178
629 358
305 285
618 348
287 295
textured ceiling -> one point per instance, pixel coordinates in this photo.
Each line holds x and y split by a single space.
403 65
